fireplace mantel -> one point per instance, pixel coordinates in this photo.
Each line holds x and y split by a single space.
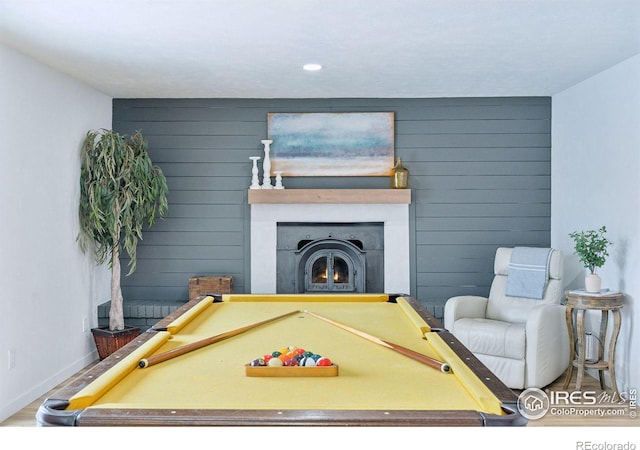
332 196
387 206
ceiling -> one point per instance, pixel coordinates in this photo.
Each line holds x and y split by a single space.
368 48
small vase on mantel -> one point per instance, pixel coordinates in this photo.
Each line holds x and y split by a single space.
592 283
399 176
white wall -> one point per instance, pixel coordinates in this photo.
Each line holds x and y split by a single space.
595 170
47 285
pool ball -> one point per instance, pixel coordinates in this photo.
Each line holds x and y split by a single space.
275 362
307 362
324 362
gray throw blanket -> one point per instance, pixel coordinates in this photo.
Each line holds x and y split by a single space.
528 272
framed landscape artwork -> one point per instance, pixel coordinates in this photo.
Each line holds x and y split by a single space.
332 144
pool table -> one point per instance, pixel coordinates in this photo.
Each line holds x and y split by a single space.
373 384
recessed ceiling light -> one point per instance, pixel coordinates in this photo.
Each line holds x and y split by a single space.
312 67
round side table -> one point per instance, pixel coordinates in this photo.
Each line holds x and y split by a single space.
579 302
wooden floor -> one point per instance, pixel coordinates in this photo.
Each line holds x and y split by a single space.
26 417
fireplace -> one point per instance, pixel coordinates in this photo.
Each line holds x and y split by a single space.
326 267
329 257
385 209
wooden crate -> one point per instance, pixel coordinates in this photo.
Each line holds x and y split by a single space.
209 285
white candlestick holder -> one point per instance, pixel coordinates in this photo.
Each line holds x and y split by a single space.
255 181
266 165
278 180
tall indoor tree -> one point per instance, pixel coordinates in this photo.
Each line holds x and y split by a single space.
121 191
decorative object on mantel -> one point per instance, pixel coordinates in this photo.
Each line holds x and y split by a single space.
266 165
332 144
278 180
591 248
255 181
399 176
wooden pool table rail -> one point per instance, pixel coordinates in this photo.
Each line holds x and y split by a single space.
299 417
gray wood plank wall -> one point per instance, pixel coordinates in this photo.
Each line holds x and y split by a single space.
480 174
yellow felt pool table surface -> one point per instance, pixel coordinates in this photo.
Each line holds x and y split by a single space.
373 385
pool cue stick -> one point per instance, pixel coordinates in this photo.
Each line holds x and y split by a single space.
424 359
178 351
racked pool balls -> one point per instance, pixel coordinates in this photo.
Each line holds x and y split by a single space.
292 356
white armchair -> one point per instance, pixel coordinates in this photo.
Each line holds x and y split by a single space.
523 341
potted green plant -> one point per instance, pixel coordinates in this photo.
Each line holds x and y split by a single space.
121 191
591 247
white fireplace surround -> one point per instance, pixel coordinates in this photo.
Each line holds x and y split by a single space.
266 216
